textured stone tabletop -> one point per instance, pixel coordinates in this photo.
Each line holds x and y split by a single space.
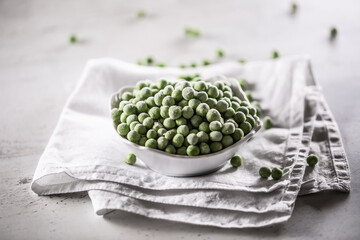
39 69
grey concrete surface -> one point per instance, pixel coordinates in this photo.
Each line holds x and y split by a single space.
39 69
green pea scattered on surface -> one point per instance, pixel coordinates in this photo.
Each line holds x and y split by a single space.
275 54
294 7
267 122
73 38
220 53
264 172
141 14
130 159
192 32
312 160
236 161
333 32
276 173
242 61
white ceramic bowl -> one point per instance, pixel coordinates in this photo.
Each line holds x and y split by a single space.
179 165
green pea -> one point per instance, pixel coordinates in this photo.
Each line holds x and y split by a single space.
220 53
183 103
312 160
202 96
154 113
194 131
203 137
161 131
168 90
239 117
221 106
206 62
123 129
148 122
180 121
157 126
333 33
227 141
251 120
178 140
162 143
131 119
245 104
252 111
142 141
230 112
142 117
193 103
236 161
133 124
193 150
200 86
202 109
130 109
245 127
213 91
275 54
168 101
235 106
123 117
181 85
228 128
122 104
175 112
183 130
127 96
159 97
181 150
169 135
211 102
226 99
243 109
115 114
231 120
219 85
276 173
130 159
145 93
177 95
192 139
215 126
213 115
216 147
141 129
151 143
133 136
264 172
204 126
216 136
267 122
204 148
188 93
141 84
169 123
238 134
196 121
228 94
135 100
151 133
142 107
162 83
150 102
170 149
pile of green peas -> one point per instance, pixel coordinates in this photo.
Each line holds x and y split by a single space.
184 117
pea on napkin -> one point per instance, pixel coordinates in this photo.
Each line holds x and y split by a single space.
85 154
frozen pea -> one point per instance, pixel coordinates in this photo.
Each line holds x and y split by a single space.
145 93
192 139
154 113
267 122
236 99
181 150
142 116
219 85
133 136
168 101
196 120
202 96
238 134
236 161
122 104
216 136
178 140
141 84
162 83
202 109
213 92
312 160
148 122
115 114
200 86
251 120
228 128
202 136
133 124
161 131
231 120
151 143
130 109
245 127
135 100
264 172
216 147
213 115
141 129
221 94
252 111
169 123
204 148
164 111
142 107
130 159
142 141
150 102
193 150
127 96
162 142
193 103
188 93
239 117
151 133
169 135
183 103
183 130
181 85
175 112
221 106
131 119
123 129
123 117
168 90
157 126
194 131
204 126
180 121
170 149
177 95
158 98
276 173
228 94
235 106
227 141
244 110
215 126
227 87
211 102
245 104
226 99
230 112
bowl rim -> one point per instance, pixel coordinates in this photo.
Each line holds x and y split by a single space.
244 139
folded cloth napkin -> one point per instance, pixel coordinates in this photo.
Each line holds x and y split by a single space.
85 154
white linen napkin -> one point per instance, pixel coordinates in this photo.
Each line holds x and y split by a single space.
85 153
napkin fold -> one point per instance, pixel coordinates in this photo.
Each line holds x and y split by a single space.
85 154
